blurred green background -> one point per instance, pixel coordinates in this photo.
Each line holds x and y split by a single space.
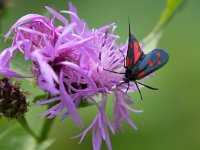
171 118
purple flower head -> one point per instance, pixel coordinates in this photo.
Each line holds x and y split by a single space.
69 62
99 128
120 110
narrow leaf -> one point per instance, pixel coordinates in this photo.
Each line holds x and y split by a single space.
151 40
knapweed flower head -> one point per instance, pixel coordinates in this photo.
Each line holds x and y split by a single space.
69 61
13 102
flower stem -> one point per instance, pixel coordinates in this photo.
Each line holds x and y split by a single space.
22 120
170 10
46 126
46 129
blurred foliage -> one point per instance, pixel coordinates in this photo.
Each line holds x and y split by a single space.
2 7
170 120
23 141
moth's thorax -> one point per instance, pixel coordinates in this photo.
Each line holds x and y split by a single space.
130 74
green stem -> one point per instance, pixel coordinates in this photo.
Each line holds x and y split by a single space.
167 14
22 120
46 129
46 126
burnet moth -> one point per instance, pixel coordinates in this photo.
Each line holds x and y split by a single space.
139 65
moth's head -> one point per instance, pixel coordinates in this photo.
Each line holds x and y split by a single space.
130 74
127 75
128 70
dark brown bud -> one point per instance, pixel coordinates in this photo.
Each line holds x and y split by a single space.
12 101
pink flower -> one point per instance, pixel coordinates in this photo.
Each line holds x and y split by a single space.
69 62
120 110
99 128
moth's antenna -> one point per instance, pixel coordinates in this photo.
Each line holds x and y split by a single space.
129 33
120 83
113 71
124 58
138 90
129 25
122 53
147 86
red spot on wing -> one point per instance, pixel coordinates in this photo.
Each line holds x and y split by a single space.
141 74
150 63
136 46
158 62
158 54
137 52
128 61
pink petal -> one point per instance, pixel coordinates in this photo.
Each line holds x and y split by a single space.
57 15
66 31
9 73
65 97
23 20
42 102
31 31
83 73
96 138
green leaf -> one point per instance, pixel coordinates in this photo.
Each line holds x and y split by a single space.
172 7
31 144
15 138
44 145
40 97
5 132
151 40
84 103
